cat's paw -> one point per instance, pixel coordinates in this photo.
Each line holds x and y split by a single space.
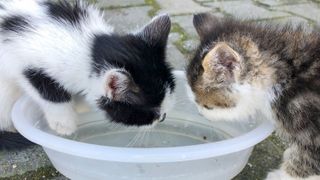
275 175
282 175
63 124
279 175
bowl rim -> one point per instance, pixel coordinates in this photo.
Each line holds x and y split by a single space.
137 155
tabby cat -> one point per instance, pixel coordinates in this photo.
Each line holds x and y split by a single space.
242 67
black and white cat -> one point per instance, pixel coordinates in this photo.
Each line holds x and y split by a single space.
54 50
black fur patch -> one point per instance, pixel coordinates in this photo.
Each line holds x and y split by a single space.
47 87
147 66
129 114
64 11
15 23
13 141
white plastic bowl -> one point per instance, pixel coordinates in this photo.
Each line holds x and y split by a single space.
219 160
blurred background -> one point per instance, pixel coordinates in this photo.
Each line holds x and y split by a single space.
129 15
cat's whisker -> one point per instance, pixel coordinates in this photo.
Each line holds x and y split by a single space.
149 132
136 138
145 140
133 140
141 139
113 125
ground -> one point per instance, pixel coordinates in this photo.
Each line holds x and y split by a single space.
128 15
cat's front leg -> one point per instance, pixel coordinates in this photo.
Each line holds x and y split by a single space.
279 174
298 123
299 163
54 100
61 117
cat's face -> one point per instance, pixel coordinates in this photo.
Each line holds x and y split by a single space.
224 73
140 86
211 75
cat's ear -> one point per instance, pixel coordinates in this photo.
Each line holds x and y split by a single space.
204 22
220 63
157 31
118 84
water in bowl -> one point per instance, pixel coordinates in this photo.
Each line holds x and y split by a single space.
177 130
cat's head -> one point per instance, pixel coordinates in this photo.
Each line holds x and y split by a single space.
227 74
139 83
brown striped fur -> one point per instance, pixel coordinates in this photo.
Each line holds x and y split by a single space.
282 61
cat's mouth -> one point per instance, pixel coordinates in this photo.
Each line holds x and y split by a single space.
132 115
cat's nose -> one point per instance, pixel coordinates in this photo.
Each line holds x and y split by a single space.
163 117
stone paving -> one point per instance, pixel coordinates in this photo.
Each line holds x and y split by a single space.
128 15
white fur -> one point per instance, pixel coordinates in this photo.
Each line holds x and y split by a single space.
283 175
61 117
62 50
250 100
28 7
9 93
168 102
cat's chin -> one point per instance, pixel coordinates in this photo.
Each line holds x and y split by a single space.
245 108
227 114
